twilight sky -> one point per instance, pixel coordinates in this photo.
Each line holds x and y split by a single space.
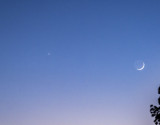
72 62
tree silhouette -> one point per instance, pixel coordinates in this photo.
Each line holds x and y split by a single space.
155 111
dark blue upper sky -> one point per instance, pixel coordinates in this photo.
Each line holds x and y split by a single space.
77 54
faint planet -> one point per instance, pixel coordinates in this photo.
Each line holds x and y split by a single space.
139 65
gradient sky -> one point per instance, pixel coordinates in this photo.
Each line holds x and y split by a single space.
72 62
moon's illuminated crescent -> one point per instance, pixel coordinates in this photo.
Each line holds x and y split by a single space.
142 67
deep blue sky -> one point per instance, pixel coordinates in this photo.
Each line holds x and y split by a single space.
72 62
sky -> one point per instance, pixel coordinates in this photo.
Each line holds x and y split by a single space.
72 62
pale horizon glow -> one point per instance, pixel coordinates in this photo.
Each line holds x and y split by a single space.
73 62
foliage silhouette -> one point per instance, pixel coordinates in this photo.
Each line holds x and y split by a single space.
155 111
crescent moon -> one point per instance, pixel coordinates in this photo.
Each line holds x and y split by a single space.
142 67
